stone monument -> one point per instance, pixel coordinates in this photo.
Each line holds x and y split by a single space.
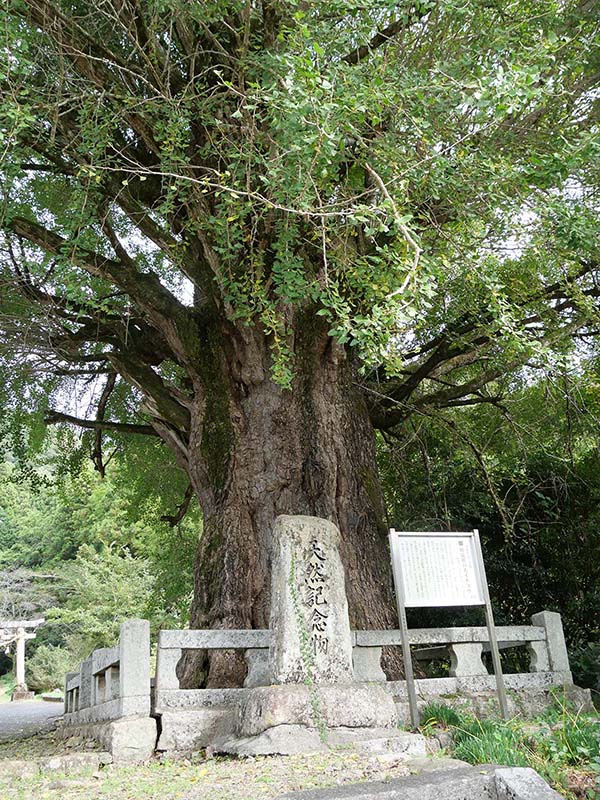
313 703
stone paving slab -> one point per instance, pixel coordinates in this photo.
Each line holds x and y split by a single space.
450 782
464 783
69 764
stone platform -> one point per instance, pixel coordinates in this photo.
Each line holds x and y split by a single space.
290 740
297 718
128 740
22 694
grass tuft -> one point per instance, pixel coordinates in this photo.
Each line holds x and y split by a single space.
563 745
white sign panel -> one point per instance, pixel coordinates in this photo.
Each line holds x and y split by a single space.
437 569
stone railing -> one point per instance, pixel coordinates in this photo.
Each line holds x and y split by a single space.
171 644
114 682
193 718
464 647
544 639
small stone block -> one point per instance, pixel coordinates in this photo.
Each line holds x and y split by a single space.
465 659
522 783
259 668
22 694
367 664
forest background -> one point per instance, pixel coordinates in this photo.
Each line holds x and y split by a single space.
88 551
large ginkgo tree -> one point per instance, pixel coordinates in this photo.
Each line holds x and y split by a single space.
261 230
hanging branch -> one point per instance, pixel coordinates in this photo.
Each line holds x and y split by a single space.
182 509
96 454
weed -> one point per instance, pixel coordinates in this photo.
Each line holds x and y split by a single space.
563 745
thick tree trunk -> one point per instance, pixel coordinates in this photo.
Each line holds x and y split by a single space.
258 451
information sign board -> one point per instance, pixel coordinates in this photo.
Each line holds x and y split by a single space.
441 569
437 569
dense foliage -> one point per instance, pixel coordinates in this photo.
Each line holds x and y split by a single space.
422 175
527 475
87 553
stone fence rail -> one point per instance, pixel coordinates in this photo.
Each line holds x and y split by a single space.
171 645
114 682
544 639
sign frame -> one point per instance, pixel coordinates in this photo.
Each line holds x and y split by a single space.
485 602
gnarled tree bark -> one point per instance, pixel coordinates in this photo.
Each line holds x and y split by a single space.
258 450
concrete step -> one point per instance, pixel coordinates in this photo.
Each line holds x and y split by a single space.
464 783
377 741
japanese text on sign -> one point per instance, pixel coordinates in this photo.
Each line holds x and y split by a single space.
438 570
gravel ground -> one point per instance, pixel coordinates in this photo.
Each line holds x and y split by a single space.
260 778
28 717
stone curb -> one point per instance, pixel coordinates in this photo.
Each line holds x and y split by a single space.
68 764
464 783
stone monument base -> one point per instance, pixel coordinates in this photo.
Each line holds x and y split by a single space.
476 696
321 706
287 740
296 718
22 694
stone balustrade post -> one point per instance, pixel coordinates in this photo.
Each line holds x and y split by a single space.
99 688
538 657
465 659
86 688
134 662
558 657
259 669
166 665
69 694
111 677
366 662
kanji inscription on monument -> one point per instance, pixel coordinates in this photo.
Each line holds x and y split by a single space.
310 628
438 569
317 599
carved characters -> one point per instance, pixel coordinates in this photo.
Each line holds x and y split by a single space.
316 597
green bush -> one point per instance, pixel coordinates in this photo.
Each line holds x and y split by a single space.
487 742
440 714
47 667
585 665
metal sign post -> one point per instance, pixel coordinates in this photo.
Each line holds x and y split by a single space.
435 570
489 619
408 667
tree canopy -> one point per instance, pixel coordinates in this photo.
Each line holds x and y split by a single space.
423 175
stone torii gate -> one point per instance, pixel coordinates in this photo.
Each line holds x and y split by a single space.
14 632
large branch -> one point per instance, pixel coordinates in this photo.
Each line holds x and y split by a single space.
383 36
97 454
145 289
393 402
54 417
